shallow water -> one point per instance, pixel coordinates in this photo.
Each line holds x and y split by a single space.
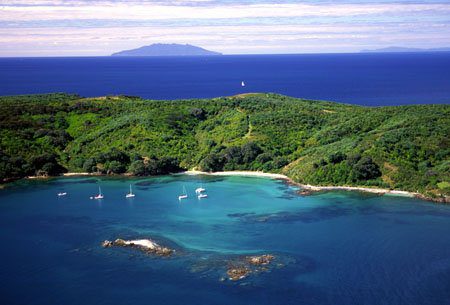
334 248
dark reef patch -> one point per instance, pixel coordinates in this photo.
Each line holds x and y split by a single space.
74 181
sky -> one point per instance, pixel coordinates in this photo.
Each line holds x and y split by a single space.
102 27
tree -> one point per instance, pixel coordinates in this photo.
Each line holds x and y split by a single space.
198 113
138 168
264 157
116 167
90 165
366 169
212 163
280 162
249 152
167 165
233 154
336 157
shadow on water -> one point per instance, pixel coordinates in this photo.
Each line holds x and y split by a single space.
345 204
160 181
75 181
307 216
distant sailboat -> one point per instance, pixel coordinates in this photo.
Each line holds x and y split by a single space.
130 194
62 194
99 195
184 195
242 84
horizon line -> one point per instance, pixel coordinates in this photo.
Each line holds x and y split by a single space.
237 54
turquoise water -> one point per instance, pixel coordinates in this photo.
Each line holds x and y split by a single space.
332 248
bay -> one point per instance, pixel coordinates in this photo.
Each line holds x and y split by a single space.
330 248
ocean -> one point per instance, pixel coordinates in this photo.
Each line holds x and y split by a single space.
340 248
364 79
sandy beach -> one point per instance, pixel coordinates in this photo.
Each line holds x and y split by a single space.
308 187
239 173
79 174
312 188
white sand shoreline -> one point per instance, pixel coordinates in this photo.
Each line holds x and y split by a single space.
238 173
308 187
79 174
313 188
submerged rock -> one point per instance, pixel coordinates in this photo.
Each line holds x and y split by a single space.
306 192
145 245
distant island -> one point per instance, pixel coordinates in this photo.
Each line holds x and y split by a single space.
173 49
403 50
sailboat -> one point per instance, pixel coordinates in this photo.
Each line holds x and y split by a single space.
200 190
130 194
184 195
242 84
60 194
200 196
99 195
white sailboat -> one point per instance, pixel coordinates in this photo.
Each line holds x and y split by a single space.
184 195
242 84
60 194
200 190
130 194
99 195
200 196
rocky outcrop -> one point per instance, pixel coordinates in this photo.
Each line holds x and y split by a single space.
145 245
237 272
244 266
237 267
260 260
438 199
107 244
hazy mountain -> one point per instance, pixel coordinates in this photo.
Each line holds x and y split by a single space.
160 49
401 50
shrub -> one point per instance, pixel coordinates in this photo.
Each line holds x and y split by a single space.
336 158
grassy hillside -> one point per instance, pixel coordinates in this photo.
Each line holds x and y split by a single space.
321 143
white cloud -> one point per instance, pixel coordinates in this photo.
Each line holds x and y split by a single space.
151 11
29 26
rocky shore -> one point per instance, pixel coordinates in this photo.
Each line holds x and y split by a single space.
307 190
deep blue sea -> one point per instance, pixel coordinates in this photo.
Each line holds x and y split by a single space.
366 79
339 248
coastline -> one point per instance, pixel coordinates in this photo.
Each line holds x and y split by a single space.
238 173
306 189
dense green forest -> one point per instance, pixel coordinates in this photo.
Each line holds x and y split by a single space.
315 142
